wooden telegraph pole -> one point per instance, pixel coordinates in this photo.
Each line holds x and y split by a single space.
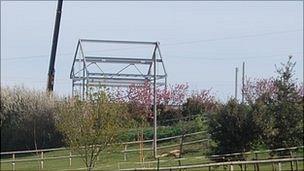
51 73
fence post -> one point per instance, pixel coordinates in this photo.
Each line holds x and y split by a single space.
98 155
297 165
41 161
257 164
231 168
125 152
279 166
273 167
158 164
291 162
243 157
14 162
70 158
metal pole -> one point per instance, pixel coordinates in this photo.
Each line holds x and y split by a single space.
243 82
83 70
51 73
155 109
235 93
83 81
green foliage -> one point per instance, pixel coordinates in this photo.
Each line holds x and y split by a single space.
164 131
193 107
232 128
277 107
27 120
200 123
92 126
168 116
271 117
287 108
199 103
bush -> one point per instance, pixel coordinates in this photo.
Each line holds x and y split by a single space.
27 120
232 128
162 131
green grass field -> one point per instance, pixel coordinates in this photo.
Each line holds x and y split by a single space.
115 160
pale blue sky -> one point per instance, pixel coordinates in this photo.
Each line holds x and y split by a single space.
201 42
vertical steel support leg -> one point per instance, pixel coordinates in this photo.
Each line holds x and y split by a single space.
155 108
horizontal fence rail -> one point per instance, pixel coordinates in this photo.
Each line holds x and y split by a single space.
167 146
125 143
256 152
33 151
39 153
222 156
164 139
229 164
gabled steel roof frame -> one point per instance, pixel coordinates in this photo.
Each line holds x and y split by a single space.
83 78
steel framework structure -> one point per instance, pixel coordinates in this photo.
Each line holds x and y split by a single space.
83 78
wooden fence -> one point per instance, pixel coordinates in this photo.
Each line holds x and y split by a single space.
224 157
126 150
229 164
40 153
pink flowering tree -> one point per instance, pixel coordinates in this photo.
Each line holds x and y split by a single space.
200 102
141 98
277 107
259 89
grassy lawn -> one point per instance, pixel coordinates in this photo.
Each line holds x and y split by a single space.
114 160
194 154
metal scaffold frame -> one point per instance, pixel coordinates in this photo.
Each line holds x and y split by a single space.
83 78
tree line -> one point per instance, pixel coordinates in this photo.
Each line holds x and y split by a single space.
270 117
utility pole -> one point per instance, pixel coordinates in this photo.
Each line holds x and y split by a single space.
243 82
51 73
236 73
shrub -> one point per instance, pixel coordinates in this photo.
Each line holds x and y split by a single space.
27 120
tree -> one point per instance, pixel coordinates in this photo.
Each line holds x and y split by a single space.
277 107
259 95
232 128
287 107
259 90
92 126
199 103
27 120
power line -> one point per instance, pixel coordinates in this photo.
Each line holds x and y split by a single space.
168 44
185 57
233 37
241 58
